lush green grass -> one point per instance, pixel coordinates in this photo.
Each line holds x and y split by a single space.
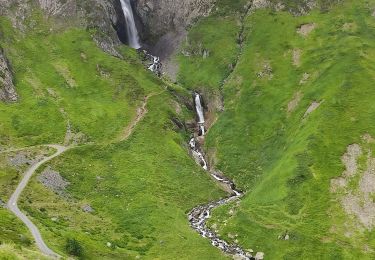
141 190
64 70
218 34
14 252
283 161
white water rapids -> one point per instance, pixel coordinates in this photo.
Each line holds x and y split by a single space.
199 215
131 29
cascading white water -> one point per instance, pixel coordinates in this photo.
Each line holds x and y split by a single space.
200 113
155 63
199 108
199 215
131 29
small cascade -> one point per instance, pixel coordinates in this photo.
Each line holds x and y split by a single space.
197 154
199 215
131 29
155 66
200 113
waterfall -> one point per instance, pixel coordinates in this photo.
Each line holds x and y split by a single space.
155 66
199 110
131 29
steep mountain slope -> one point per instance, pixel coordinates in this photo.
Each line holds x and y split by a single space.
287 89
296 101
120 198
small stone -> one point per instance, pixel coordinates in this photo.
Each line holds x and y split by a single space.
259 256
286 237
87 208
109 244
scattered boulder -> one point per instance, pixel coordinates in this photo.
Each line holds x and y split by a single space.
87 208
21 159
259 256
305 29
304 79
266 71
368 138
7 89
314 106
52 180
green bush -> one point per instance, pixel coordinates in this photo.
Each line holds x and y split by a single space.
73 247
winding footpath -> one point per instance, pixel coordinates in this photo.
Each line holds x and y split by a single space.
12 203
141 112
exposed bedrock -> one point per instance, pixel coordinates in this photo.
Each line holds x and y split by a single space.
164 22
7 89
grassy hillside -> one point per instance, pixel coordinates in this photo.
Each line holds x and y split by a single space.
282 155
61 76
139 189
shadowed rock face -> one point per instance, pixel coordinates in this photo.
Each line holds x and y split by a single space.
7 89
165 20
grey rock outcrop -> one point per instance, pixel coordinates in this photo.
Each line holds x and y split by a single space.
165 21
162 16
7 90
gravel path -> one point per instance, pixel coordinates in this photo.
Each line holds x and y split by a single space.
141 112
12 203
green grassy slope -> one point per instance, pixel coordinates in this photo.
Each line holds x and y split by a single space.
140 189
283 160
62 76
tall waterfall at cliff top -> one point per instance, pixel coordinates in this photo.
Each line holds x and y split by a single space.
131 29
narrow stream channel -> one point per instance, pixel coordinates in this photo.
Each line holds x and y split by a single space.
199 215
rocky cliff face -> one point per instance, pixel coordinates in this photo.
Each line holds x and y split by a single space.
94 14
165 21
7 90
162 16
